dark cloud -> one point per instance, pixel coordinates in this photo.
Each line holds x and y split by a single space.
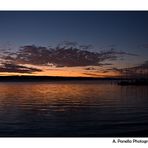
105 64
32 55
68 44
115 52
90 68
99 65
144 45
144 65
92 74
9 67
105 71
70 55
136 71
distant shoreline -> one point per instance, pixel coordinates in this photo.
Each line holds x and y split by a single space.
47 78
118 81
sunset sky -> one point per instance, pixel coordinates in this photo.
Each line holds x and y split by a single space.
91 44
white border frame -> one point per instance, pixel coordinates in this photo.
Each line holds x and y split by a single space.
73 5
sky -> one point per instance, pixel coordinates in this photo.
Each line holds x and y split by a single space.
108 43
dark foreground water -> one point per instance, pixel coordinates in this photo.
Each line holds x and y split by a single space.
80 108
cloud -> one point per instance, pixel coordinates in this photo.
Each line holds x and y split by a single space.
144 65
136 71
144 45
90 68
68 54
13 68
68 44
113 51
98 67
92 74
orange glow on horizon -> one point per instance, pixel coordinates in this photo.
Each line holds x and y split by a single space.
63 71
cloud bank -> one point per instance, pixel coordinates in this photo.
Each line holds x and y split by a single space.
14 68
67 54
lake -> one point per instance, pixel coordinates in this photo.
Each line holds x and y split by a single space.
73 109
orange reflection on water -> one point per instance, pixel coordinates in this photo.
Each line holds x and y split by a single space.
54 94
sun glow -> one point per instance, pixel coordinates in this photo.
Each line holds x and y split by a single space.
63 71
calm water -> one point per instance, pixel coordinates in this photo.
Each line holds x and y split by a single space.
90 108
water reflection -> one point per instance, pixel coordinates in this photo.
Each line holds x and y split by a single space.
73 109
